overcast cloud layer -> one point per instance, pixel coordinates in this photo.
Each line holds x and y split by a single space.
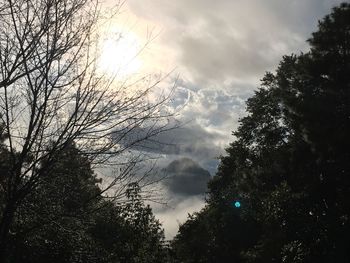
220 50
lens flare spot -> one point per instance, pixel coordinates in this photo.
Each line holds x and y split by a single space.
237 204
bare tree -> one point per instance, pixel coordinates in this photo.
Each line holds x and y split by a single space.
52 93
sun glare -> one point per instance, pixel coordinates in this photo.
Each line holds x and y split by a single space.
120 53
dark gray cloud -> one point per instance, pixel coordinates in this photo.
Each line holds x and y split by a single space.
186 178
182 140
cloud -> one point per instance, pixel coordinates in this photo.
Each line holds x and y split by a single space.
221 49
186 178
185 190
172 217
223 40
185 140
207 118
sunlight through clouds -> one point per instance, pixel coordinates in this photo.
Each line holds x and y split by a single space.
120 53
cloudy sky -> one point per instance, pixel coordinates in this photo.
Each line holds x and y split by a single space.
215 52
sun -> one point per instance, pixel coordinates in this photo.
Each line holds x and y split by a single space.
120 53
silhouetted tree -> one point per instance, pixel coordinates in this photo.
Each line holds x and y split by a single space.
215 234
63 221
130 232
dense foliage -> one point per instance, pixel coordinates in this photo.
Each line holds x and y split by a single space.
66 220
289 165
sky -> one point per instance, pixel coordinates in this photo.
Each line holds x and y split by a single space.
214 53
